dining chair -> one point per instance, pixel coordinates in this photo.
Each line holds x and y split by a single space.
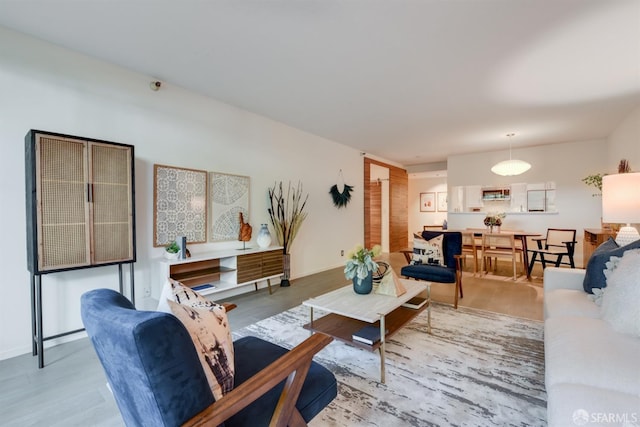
432 228
470 248
558 243
499 245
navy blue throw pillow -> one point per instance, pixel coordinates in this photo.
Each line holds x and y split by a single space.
594 275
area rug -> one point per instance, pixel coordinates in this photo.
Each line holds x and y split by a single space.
476 369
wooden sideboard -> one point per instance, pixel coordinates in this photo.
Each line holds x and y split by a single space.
593 237
224 270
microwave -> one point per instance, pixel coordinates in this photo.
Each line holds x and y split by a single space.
496 194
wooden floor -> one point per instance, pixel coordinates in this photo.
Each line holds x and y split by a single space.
71 389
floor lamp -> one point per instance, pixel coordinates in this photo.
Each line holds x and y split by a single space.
621 204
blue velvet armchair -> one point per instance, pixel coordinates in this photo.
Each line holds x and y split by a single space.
157 379
450 272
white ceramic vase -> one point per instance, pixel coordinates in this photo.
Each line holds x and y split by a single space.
264 237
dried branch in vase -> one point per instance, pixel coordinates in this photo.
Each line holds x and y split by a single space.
287 213
624 167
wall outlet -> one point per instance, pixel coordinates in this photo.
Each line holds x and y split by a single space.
147 291
341 252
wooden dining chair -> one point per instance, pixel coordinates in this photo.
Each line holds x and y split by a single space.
432 228
499 245
470 248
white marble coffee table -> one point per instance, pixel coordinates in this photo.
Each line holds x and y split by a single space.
349 312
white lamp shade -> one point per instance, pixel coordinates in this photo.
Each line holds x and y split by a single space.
621 198
510 167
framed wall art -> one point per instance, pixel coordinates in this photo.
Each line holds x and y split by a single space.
428 202
180 205
229 196
442 202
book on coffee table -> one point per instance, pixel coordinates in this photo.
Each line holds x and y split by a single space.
369 335
415 302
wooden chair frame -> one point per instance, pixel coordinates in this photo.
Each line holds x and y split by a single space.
557 246
293 366
452 246
470 247
496 245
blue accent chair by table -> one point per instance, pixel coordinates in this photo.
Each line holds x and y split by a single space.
157 379
450 272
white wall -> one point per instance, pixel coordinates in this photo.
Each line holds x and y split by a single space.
48 88
564 163
624 143
419 219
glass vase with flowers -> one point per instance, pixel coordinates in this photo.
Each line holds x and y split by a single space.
493 220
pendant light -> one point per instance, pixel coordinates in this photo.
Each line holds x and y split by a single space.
510 167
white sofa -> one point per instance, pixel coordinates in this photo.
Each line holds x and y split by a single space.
592 373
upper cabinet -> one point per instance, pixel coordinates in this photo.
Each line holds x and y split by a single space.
80 202
472 197
520 197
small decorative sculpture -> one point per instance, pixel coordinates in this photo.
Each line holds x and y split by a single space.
390 285
245 230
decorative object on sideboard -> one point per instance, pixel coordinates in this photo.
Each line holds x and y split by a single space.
264 237
182 244
172 250
512 166
621 204
360 267
287 214
341 192
244 235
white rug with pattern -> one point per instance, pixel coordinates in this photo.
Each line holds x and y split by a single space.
476 369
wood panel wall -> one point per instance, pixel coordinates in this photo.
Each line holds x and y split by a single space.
398 207
375 198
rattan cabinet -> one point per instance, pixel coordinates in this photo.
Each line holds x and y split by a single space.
80 208
80 202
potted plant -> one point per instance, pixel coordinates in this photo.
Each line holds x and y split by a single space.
172 250
594 180
360 267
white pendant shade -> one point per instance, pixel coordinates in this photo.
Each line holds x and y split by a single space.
510 167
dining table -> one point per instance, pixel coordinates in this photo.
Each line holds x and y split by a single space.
517 234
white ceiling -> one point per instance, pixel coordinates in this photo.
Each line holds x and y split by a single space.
412 81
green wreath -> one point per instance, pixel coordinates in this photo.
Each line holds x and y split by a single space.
341 199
